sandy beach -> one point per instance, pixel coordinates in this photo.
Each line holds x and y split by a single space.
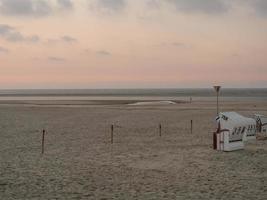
80 163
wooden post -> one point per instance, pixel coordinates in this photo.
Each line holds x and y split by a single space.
214 141
217 89
112 129
191 126
43 137
160 130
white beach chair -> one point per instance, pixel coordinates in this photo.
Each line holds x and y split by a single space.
232 130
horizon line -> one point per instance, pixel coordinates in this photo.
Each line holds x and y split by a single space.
132 88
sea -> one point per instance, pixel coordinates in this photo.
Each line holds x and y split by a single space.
202 94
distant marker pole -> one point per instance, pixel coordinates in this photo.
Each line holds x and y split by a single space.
217 89
111 136
43 138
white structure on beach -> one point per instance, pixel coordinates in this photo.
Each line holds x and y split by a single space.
232 130
261 122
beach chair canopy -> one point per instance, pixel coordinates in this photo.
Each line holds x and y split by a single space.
237 125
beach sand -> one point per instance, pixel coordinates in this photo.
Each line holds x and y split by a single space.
80 163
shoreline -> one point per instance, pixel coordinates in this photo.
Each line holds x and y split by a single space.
90 102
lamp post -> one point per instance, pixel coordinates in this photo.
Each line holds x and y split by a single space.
217 89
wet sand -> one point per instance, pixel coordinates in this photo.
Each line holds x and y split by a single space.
80 163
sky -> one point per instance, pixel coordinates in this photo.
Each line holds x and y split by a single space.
132 43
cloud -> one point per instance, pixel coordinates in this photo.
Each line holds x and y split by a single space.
108 6
25 7
172 44
153 4
68 39
66 4
201 6
3 50
56 59
11 34
178 44
217 6
103 53
260 7
65 38
36 8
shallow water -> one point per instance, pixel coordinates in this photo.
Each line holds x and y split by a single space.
135 94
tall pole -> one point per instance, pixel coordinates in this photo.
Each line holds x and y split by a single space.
217 103
217 89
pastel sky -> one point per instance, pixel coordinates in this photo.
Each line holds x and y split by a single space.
132 43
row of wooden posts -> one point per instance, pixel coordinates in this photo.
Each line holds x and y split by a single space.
112 134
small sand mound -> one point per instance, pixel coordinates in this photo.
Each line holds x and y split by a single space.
143 103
